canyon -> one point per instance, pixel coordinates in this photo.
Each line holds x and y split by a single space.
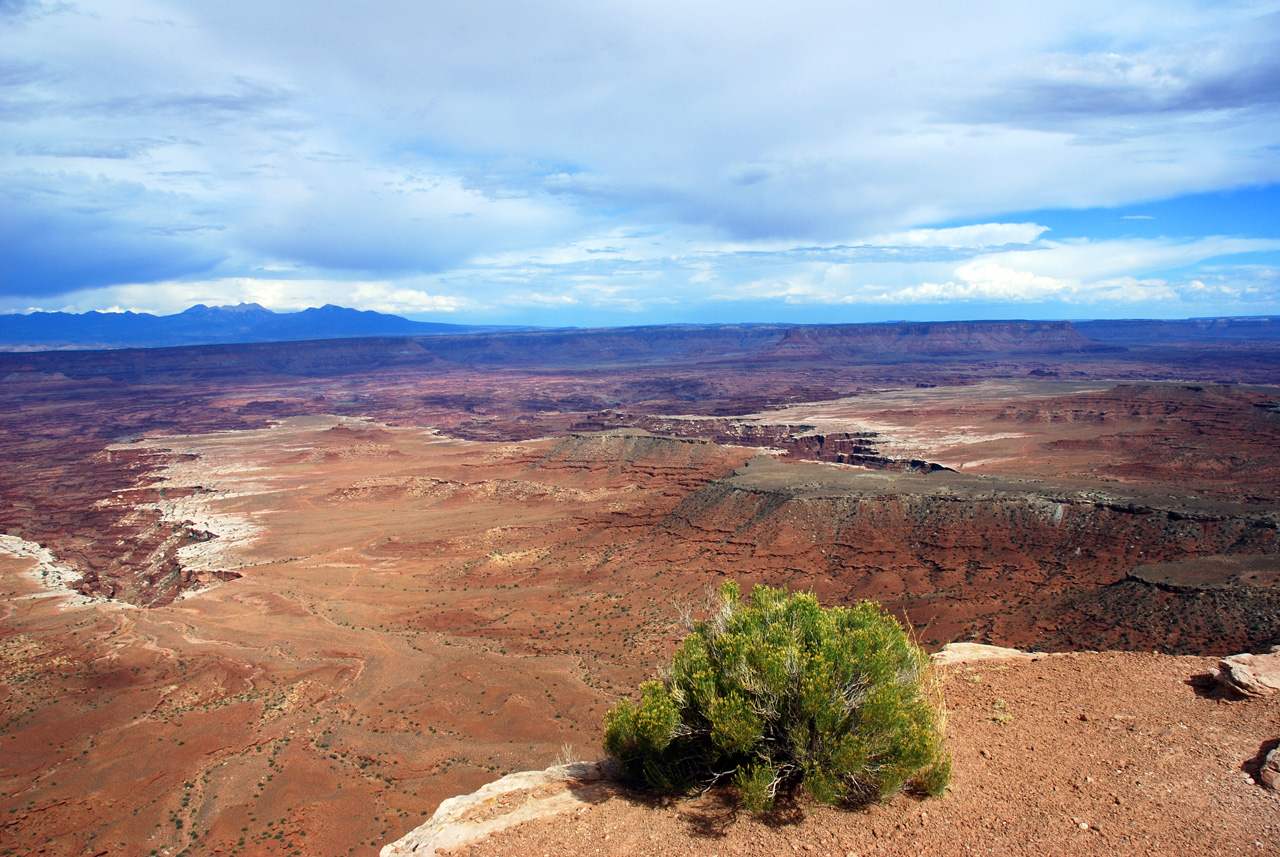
267 598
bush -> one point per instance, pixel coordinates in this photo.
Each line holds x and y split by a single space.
778 693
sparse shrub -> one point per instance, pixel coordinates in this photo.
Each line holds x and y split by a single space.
776 694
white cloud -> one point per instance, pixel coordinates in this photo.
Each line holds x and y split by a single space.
1077 277
1092 260
1072 274
977 235
475 157
274 294
539 299
987 280
402 300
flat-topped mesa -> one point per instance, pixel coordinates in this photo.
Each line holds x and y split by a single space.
1205 573
629 454
966 556
799 442
699 343
626 346
936 339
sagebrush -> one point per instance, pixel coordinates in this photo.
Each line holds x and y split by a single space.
777 693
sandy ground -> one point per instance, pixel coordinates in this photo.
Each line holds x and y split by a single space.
1111 753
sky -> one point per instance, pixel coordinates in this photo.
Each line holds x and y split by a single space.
618 163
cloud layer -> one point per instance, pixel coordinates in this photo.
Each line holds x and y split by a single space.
608 163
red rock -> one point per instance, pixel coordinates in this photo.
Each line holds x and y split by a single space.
1250 675
1270 774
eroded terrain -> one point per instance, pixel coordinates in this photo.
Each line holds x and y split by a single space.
291 612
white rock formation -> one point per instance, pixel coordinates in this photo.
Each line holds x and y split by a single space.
967 653
55 577
512 800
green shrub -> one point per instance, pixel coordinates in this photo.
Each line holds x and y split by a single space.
777 693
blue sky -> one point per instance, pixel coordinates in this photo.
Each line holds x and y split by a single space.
598 163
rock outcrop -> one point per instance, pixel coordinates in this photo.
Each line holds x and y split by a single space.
1250 675
1029 563
1270 774
517 798
512 800
968 653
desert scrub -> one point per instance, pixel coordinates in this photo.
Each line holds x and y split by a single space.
778 694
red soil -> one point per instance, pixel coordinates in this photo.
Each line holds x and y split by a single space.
1078 754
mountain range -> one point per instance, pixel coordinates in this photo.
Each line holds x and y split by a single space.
205 325
250 323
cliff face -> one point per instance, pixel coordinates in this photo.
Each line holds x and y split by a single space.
799 442
562 349
762 342
936 339
93 507
1146 331
1030 564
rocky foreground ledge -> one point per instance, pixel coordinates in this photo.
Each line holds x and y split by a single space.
1077 753
512 800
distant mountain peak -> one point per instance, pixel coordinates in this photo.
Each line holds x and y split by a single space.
230 310
206 325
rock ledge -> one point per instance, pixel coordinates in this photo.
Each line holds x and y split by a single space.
517 798
512 800
1250 675
967 653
